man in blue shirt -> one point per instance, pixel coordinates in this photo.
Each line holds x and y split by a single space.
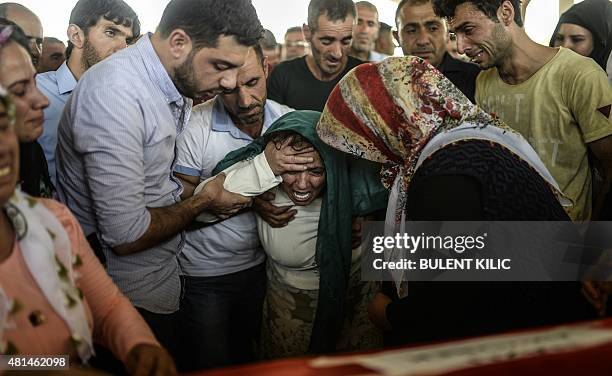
223 264
97 29
117 148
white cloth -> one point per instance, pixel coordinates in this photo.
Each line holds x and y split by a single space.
46 250
248 178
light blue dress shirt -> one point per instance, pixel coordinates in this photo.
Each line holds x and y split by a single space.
57 86
115 157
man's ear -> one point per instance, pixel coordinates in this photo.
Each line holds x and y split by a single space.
76 36
505 13
180 44
306 31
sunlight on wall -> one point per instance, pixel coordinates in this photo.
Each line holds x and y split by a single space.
541 20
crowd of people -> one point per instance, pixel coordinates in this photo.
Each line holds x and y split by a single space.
193 197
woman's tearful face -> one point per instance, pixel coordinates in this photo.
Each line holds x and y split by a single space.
303 187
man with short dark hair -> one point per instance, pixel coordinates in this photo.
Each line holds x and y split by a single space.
365 33
97 29
305 83
116 148
29 22
53 55
558 100
384 43
295 45
270 48
223 264
420 32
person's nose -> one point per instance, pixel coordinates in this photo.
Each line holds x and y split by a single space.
302 181
336 51
39 100
422 39
244 99
228 79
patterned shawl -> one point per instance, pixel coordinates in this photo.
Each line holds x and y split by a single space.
387 112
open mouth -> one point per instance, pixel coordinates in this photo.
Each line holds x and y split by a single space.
476 57
301 196
5 171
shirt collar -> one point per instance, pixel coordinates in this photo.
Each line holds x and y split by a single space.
222 122
157 72
65 79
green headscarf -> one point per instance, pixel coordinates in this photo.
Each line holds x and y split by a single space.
333 250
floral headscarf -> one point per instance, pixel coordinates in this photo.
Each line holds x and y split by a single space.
388 111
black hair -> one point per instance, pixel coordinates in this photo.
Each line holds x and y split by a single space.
385 28
294 29
17 36
410 3
259 53
334 10
87 13
298 142
52 40
268 40
446 8
206 20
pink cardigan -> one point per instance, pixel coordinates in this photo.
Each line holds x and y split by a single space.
116 323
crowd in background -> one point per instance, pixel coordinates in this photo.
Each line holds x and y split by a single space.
194 197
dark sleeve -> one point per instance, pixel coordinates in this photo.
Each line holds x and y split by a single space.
444 198
277 85
435 198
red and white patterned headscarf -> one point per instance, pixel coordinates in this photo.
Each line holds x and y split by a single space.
387 112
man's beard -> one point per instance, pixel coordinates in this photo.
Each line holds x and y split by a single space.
501 48
90 56
184 78
362 48
320 59
250 119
